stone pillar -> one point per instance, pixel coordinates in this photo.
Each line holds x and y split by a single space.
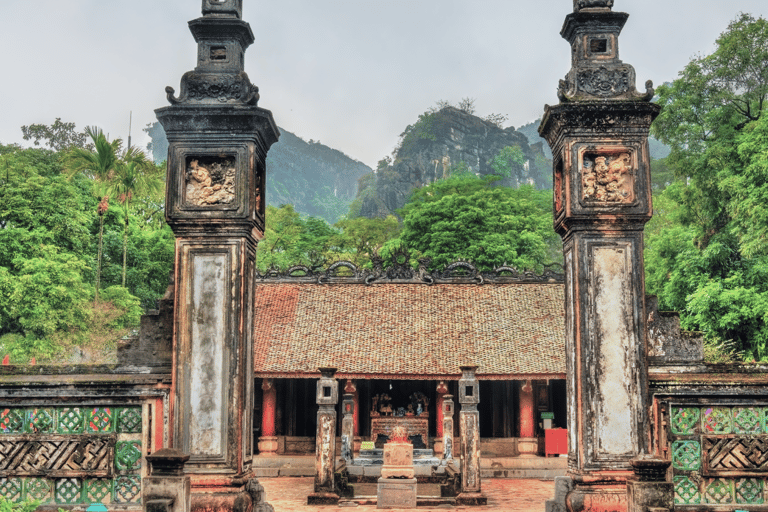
325 453
166 489
602 200
648 490
268 439
447 413
527 444
442 389
218 140
348 427
469 429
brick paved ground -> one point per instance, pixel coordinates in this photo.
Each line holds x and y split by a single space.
289 494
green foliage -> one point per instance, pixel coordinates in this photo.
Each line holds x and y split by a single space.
361 238
7 505
466 217
509 162
706 252
127 304
290 239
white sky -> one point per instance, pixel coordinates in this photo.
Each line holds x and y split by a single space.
350 73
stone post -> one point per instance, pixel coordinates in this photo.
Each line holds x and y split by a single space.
527 445
166 489
469 429
447 413
442 389
268 440
325 453
348 427
218 140
649 490
351 387
602 200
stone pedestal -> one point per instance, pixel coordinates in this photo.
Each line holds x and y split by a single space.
166 489
396 493
649 490
602 200
348 427
469 429
398 456
325 442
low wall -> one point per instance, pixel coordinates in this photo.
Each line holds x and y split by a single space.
76 435
711 422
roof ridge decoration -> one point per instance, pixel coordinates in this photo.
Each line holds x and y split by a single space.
399 271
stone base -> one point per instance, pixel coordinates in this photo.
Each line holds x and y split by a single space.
397 472
606 498
438 448
268 446
528 446
643 496
471 499
323 498
396 493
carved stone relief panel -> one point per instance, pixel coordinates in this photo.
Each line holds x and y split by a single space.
210 180
607 177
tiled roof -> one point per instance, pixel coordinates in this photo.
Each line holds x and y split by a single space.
410 330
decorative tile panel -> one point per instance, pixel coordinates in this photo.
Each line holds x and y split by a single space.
100 420
129 420
128 455
39 421
685 420
718 491
747 420
56 456
38 489
70 420
68 490
716 420
128 489
98 490
719 456
11 489
12 421
686 491
686 455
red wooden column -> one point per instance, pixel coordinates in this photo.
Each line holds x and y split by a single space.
527 444
268 440
442 389
351 388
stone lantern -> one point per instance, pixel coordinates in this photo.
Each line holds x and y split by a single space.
602 200
325 441
218 141
469 431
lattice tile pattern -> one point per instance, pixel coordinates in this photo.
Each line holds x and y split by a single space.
51 432
719 456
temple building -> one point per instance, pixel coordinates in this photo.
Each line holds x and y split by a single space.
397 338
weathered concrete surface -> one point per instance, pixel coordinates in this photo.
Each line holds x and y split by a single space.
396 493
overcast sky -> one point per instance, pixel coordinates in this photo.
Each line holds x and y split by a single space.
349 73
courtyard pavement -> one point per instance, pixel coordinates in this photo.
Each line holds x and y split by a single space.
289 494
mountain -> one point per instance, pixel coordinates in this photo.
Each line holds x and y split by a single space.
317 180
446 141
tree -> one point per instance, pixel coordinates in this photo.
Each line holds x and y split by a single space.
710 260
466 217
361 237
290 239
509 163
467 105
58 136
134 175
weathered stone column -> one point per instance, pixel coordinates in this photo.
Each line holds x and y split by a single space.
527 444
348 427
218 141
351 387
325 452
442 389
602 194
469 429
268 440
447 412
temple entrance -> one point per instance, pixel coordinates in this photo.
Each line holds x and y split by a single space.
500 411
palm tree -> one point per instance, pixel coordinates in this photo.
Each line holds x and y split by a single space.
98 165
133 175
